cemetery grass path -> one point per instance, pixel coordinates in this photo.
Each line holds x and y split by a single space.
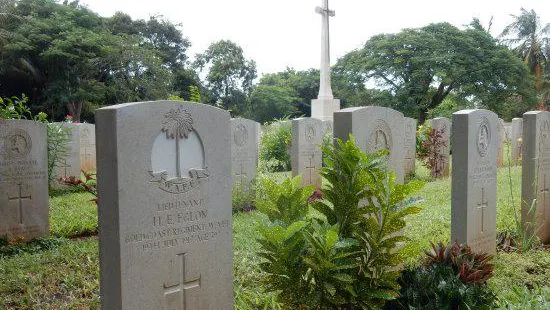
65 275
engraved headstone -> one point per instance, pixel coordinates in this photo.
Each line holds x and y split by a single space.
164 187
474 187
244 149
307 158
443 126
501 141
23 180
516 141
328 127
410 146
374 128
535 183
70 165
87 147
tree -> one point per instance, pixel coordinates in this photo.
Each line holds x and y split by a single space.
531 41
421 67
68 59
228 72
177 125
269 102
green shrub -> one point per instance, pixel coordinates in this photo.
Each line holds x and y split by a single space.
274 148
524 299
452 277
244 197
58 150
343 252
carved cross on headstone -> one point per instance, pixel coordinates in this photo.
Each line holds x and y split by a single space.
544 192
86 154
241 174
20 198
310 167
482 206
181 287
65 166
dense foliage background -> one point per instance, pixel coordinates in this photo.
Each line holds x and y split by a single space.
69 60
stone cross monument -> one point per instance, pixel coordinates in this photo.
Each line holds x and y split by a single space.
324 106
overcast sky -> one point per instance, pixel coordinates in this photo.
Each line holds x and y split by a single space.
281 33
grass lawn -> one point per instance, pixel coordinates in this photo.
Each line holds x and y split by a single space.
61 272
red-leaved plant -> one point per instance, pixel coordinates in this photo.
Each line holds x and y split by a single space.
84 184
474 268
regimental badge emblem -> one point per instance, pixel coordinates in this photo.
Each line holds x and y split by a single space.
240 135
177 158
380 137
17 144
310 132
483 137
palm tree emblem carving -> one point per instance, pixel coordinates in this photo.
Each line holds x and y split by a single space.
177 125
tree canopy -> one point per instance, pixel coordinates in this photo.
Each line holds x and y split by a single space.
421 67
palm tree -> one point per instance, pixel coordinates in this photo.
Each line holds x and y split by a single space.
177 124
530 40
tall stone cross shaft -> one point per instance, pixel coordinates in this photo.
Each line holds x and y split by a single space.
324 106
325 89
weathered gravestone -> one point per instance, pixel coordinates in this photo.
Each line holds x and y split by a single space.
501 140
23 180
374 128
516 141
442 126
410 146
327 127
535 183
164 182
474 189
87 147
307 158
244 149
70 165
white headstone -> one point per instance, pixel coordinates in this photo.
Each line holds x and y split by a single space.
501 141
244 149
70 165
474 179
442 125
410 146
374 128
23 180
307 158
516 141
164 187
87 147
535 183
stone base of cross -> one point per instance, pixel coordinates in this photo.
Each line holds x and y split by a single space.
323 109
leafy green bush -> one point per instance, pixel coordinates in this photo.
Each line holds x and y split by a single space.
344 252
274 146
452 277
525 299
244 197
58 150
